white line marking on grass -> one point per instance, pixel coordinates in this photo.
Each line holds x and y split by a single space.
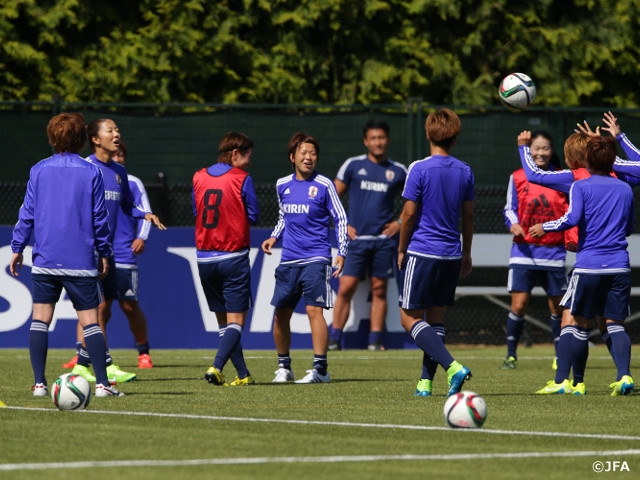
322 459
596 436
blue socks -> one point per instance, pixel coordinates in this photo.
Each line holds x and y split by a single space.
38 347
96 348
228 342
284 360
563 353
237 356
620 348
429 365
515 324
430 343
320 363
579 353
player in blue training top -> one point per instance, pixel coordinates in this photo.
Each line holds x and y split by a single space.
225 204
439 190
104 138
308 202
373 182
602 208
64 209
129 242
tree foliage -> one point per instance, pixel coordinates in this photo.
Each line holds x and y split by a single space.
579 52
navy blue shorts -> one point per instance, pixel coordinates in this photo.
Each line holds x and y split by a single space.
227 284
592 295
554 282
313 281
127 280
84 292
428 282
374 257
109 284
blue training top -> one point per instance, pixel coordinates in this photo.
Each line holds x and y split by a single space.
306 209
129 228
373 188
64 208
439 185
117 193
602 207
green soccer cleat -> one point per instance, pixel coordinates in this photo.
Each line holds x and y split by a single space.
215 377
509 363
624 386
578 389
457 374
424 388
554 364
84 372
114 372
241 382
553 388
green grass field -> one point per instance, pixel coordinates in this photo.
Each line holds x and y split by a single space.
365 424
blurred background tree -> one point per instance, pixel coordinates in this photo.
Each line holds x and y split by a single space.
579 52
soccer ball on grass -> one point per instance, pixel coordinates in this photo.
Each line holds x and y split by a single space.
465 410
71 392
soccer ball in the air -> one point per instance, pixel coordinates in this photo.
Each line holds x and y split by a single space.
71 392
517 90
465 410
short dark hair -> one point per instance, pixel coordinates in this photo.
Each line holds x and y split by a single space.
299 138
67 132
554 159
375 123
601 154
230 142
442 127
92 130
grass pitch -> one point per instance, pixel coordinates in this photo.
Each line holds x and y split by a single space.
365 424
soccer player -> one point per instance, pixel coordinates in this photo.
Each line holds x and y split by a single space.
129 242
104 138
602 207
64 208
533 260
308 202
373 182
225 204
438 191
575 153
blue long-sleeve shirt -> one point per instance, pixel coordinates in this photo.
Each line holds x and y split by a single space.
64 208
117 193
306 207
602 207
129 228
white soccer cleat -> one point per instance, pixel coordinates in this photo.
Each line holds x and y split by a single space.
313 376
40 390
104 391
283 375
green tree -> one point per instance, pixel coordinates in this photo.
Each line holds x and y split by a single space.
579 52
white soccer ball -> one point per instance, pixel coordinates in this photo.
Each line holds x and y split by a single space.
517 90
465 410
71 392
